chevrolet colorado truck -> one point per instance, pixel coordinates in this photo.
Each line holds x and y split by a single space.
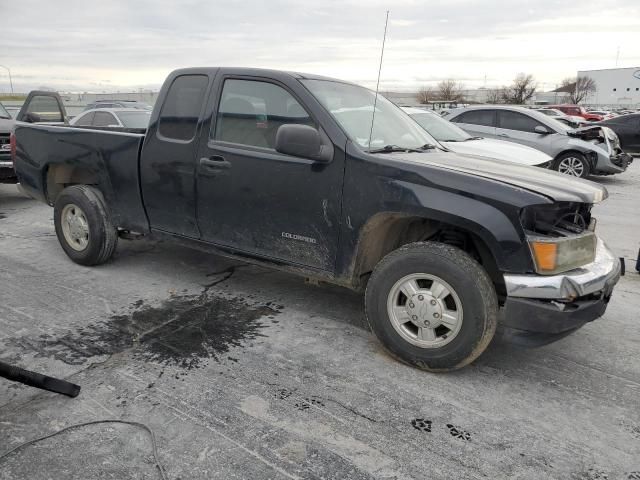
299 172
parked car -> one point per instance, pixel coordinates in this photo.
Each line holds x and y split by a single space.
457 140
577 152
118 104
13 111
606 115
7 174
283 169
627 128
578 111
113 117
572 121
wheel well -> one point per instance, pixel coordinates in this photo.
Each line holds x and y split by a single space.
388 232
60 177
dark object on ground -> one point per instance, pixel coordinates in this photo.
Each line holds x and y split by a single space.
38 380
638 262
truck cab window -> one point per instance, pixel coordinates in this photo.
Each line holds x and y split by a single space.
46 108
181 108
251 112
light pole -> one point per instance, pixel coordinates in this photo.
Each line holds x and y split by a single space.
10 80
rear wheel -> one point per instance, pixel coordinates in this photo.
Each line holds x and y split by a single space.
83 225
432 306
574 164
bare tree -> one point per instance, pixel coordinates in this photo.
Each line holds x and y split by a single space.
450 91
579 88
521 90
494 95
425 95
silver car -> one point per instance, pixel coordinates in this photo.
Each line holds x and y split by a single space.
578 152
113 117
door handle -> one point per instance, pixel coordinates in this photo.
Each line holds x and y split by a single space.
503 135
214 162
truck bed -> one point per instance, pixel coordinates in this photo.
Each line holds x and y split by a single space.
48 157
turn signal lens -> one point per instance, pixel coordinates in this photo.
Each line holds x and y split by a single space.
555 255
546 255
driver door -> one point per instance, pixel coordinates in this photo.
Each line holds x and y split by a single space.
251 198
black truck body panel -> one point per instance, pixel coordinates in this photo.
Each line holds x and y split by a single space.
287 211
111 159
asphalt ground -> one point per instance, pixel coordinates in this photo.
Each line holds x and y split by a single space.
244 372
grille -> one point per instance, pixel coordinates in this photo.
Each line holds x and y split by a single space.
5 153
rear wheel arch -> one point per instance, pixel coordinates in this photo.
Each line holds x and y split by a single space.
58 177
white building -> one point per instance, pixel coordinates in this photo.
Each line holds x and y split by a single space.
616 87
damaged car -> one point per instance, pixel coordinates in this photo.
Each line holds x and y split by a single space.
320 178
591 150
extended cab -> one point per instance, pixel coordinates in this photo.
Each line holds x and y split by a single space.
288 170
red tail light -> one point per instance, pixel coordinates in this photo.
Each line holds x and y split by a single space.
12 143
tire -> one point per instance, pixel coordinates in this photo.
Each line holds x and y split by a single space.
574 164
471 298
83 225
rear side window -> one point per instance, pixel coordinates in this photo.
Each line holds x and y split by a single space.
516 121
104 119
476 117
251 112
85 120
181 108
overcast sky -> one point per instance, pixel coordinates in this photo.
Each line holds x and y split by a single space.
118 44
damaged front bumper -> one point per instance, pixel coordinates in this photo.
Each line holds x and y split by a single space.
540 309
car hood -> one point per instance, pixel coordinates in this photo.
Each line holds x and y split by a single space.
6 125
556 186
501 150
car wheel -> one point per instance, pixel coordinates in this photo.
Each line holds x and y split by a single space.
83 225
574 164
432 306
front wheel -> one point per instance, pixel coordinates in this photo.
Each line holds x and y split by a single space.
432 306
574 164
83 225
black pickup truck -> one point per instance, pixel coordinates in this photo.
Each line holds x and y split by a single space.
285 170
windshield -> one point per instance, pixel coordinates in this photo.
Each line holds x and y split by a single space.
352 107
135 119
3 112
439 128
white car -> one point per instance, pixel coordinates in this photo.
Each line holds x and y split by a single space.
457 140
113 117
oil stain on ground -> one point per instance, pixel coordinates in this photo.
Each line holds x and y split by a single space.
185 330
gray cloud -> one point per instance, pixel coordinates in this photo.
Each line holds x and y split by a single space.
78 45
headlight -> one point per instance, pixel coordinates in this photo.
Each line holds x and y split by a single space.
560 254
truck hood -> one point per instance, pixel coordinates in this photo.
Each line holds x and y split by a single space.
501 150
6 125
556 186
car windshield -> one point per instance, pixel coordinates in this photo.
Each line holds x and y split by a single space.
352 107
439 128
3 112
135 119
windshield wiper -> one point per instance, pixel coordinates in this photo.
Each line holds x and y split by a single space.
395 148
473 138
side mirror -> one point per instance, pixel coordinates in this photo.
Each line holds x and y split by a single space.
302 141
541 130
